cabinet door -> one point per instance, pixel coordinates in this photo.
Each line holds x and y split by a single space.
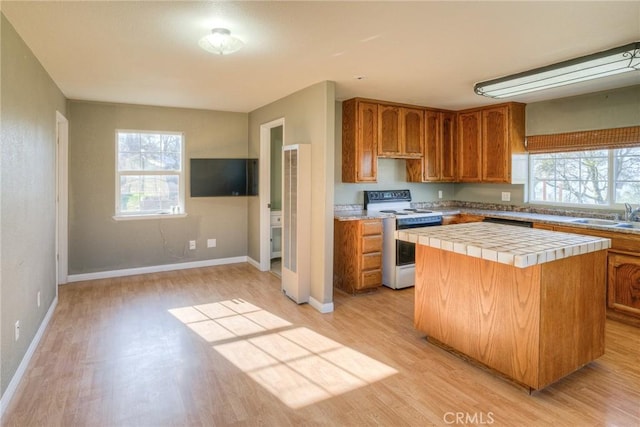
624 283
496 148
412 132
431 160
389 131
469 146
448 147
367 142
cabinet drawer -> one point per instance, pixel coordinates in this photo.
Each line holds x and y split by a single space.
372 261
371 279
371 227
371 244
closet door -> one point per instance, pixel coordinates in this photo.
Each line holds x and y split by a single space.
296 222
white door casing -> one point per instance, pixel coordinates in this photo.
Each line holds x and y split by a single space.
62 199
265 190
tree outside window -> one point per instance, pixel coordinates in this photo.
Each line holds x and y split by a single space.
597 177
150 173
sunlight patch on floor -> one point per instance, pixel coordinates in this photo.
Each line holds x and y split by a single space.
295 364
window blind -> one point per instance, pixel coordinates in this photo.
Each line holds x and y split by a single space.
585 140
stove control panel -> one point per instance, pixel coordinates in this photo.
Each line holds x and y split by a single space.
418 221
387 196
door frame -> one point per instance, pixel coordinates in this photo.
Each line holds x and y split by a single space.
265 190
62 199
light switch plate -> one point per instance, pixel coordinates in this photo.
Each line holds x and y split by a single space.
506 196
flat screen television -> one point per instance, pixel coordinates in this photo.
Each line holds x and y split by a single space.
224 177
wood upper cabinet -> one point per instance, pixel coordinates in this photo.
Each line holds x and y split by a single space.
470 146
623 290
412 120
400 131
359 141
439 161
487 138
448 145
389 130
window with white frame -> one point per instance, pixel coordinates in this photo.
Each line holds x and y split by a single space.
596 177
149 173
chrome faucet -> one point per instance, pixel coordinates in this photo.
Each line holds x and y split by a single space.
631 214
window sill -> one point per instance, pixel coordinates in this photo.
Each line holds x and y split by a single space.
154 216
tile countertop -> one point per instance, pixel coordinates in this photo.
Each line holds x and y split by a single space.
517 246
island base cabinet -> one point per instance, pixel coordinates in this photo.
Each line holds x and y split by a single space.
533 325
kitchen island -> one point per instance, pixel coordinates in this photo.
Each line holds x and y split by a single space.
527 303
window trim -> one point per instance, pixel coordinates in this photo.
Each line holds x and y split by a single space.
181 213
610 181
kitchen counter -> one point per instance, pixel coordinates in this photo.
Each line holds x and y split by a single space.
528 304
354 215
517 246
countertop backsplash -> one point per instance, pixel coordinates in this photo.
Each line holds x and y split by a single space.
452 204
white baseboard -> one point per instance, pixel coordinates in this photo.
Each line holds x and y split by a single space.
322 308
154 269
254 263
22 367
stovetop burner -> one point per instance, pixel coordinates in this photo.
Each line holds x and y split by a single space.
417 210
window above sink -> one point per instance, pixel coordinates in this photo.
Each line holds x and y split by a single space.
604 178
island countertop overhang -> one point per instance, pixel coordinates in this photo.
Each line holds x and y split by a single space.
505 244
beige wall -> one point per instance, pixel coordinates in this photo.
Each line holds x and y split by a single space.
99 243
29 102
600 110
309 119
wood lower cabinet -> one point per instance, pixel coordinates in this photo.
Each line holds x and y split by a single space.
357 255
439 153
623 273
359 141
623 290
461 219
535 325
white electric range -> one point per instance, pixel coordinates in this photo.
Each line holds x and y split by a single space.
398 257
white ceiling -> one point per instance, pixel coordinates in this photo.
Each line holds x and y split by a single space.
425 53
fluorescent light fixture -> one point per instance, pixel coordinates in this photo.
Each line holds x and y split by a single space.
602 64
221 42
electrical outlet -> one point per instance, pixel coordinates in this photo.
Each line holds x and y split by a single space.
38 298
211 243
17 330
439 194
192 245
506 196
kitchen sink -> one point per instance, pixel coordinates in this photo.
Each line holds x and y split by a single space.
594 221
628 225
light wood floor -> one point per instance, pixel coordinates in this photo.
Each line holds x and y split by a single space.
223 346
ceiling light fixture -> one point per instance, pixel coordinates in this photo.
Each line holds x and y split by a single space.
221 42
606 63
